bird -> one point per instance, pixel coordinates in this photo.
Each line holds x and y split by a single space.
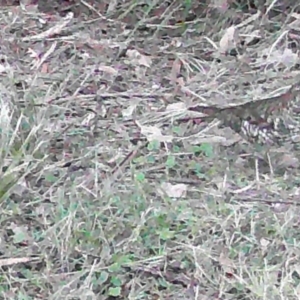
270 122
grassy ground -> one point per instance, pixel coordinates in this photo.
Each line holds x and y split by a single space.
103 193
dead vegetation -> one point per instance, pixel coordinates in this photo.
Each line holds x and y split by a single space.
104 194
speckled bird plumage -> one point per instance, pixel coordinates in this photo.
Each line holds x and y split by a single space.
270 121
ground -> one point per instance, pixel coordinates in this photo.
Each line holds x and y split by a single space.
109 188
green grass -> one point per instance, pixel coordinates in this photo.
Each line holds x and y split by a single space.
104 195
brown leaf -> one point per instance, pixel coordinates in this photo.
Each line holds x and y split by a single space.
229 39
175 71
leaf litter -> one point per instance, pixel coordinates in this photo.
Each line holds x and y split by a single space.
113 182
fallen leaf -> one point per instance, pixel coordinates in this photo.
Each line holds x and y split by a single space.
20 233
221 5
176 107
288 58
174 191
229 39
175 71
227 264
137 58
111 7
153 133
127 112
108 70
45 68
280 207
264 244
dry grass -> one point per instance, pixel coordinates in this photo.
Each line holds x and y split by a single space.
104 195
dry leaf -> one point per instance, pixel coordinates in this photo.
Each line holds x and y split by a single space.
280 207
277 57
229 39
264 244
20 188
127 112
138 59
174 191
221 5
153 133
227 264
20 233
176 42
108 70
45 68
179 106
175 71
4 67
111 7
288 58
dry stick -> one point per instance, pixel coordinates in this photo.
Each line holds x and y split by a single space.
16 260
268 202
117 169
106 184
176 180
56 29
